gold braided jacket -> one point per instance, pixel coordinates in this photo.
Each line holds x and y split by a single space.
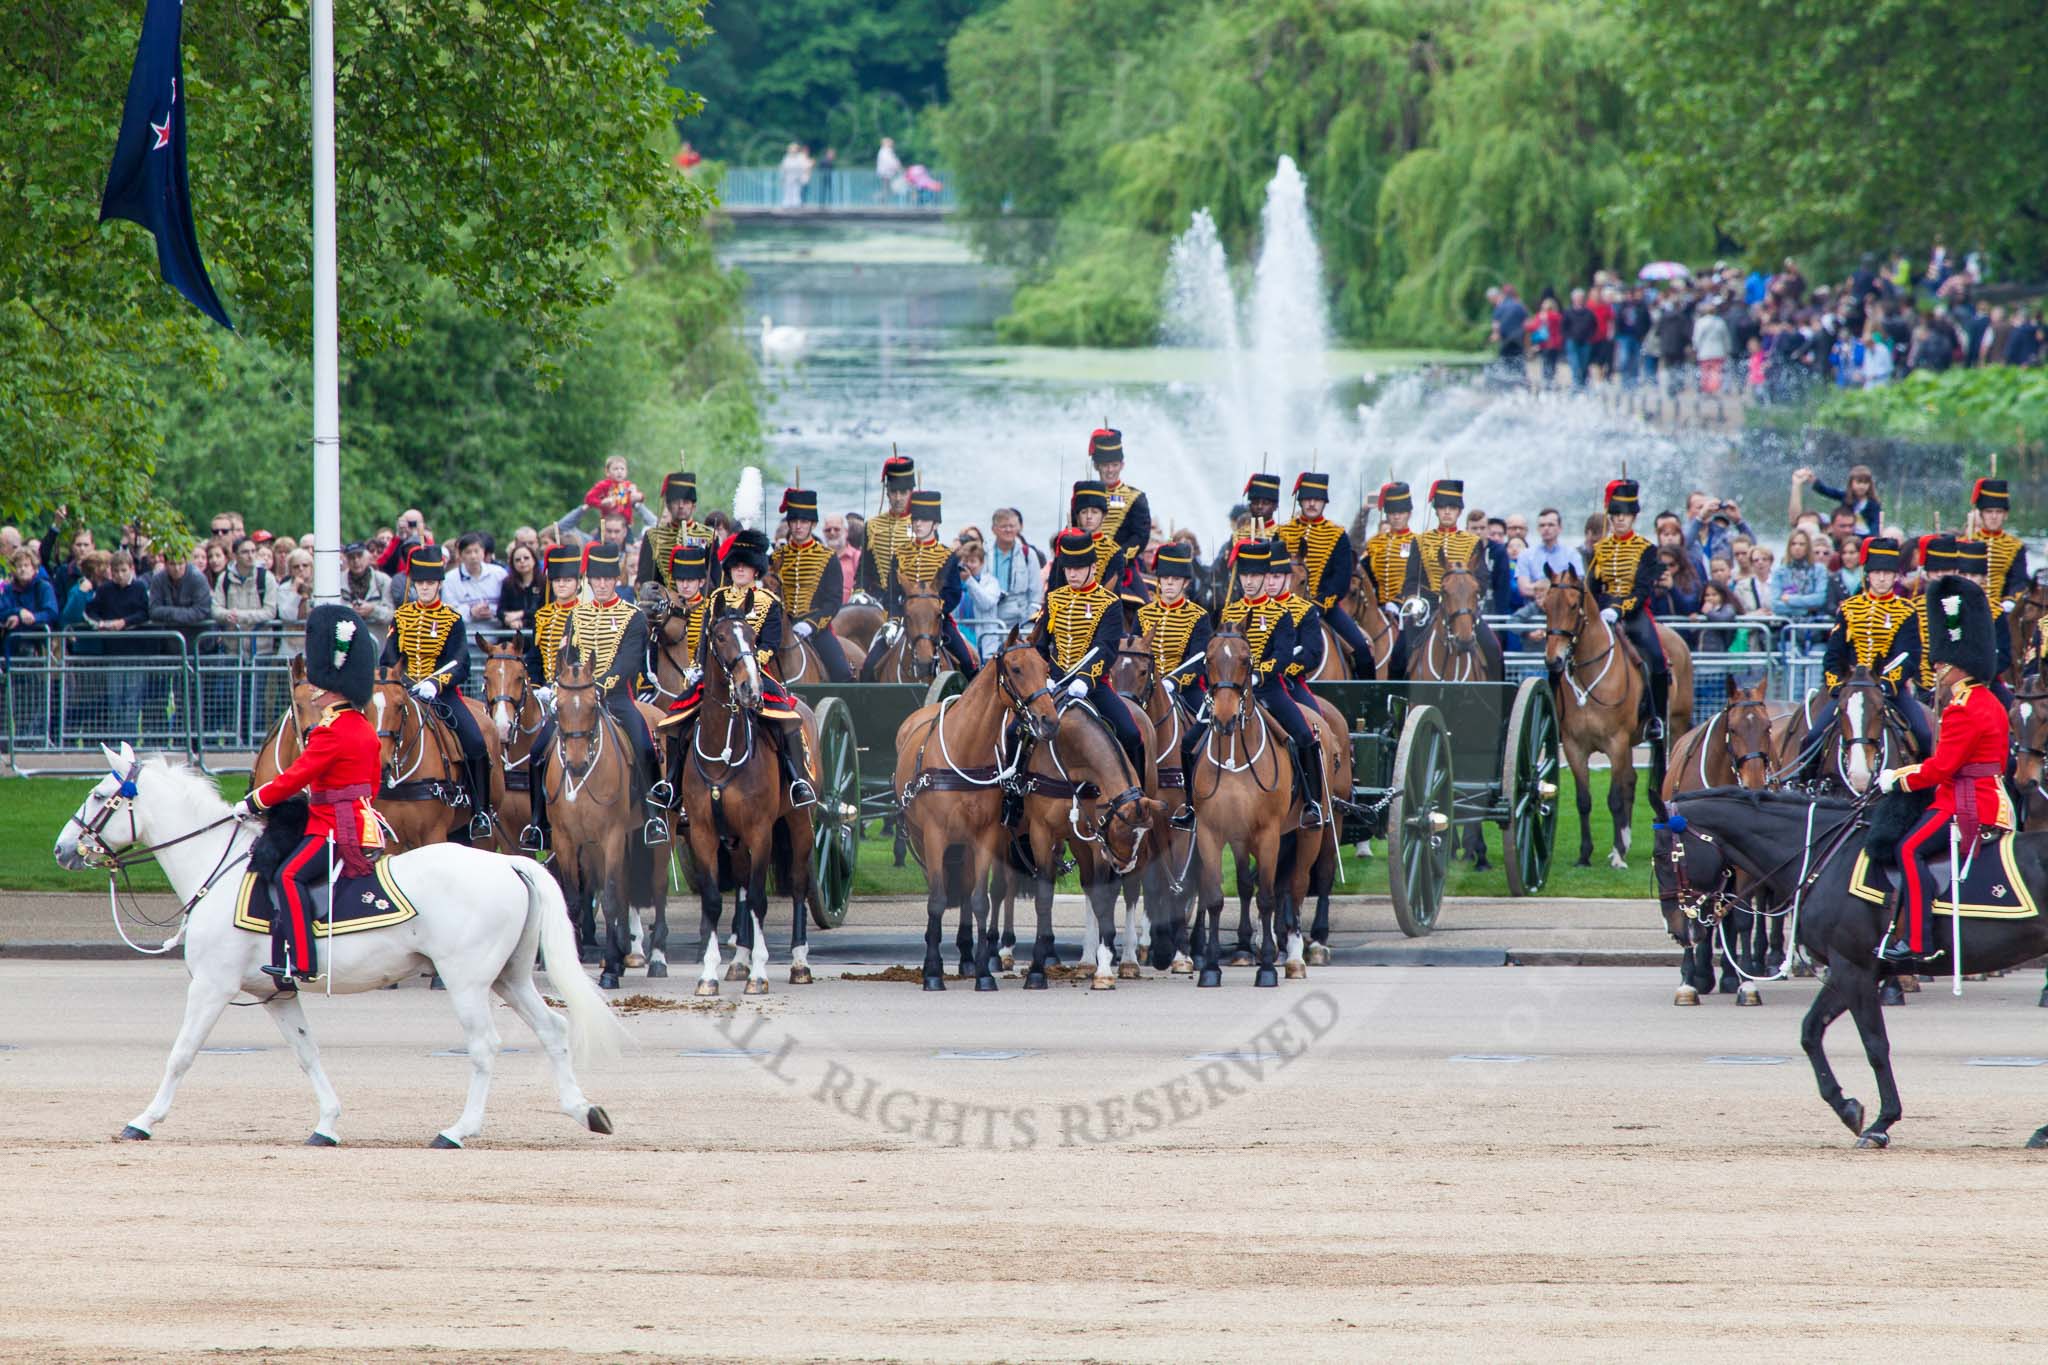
801 568
1311 542
423 633
886 531
1457 547
549 623
2000 551
919 561
1121 499
1871 624
1257 619
1616 561
732 601
1167 629
1073 615
1387 555
596 632
664 538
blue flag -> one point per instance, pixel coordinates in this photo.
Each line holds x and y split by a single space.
146 183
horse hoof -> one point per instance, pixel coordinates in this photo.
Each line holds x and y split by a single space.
1127 971
635 960
1266 977
800 975
1686 996
1909 983
322 1140
1210 976
984 983
1617 862
1182 965
707 987
1874 1141
1034 981
436 984
1296 971
1318 955
2039 1140
656 970
1852 1115
445 1143
756 985
1102 983
735 972
1804 969
1890 994
608 981
933 981
1749 995
131 1133
1008 962
597 1120
1242 958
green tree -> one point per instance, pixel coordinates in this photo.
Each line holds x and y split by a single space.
489 151
1845 125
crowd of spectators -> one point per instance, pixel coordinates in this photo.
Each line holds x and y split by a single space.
1771 335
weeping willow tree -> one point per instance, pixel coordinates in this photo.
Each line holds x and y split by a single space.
1525 160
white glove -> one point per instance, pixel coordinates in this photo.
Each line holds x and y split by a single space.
1078 688
1169 685
691 675
245 809
2006 606
426 690
545 695
1888 779
1391 610
1609 615
803 630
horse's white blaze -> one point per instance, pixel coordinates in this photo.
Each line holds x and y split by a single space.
377 704
501 716
1859 754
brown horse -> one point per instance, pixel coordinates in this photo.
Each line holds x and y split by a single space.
1362 604
857 623
286 739
1867 736
1166 880
2030 752
740 818
1602 689
797 661
1451 649
592 781
1082 794
918 652
2024 620
1246 800
669 660
423 765
949 772
515 716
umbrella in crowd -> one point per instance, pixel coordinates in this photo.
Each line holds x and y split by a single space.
1664 270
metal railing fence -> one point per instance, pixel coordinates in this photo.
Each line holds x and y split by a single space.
828 191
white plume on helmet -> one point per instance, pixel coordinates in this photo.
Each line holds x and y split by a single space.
750 500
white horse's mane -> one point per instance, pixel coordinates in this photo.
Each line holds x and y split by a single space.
196 791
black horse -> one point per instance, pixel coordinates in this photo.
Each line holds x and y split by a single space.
1795 846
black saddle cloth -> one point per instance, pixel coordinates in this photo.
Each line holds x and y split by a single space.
372 902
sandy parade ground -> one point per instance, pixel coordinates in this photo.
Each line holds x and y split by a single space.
1441 1163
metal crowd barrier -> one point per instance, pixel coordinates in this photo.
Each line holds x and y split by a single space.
1786 653
69 692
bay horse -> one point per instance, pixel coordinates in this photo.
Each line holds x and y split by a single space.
481 918
1166 880
1602 689
1736 747
1451 649
1867 737
1081 793
423 765
740 820
1793 845
2030 752
950 767
1363 605
593 784
516 718
797 662
2024 620
858 622
286 739
918 653
1245 799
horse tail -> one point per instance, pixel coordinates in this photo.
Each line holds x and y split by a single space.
595 1033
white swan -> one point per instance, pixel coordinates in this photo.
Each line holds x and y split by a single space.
782 343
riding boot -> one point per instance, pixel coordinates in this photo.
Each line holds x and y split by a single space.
534 838
481 818
789 746
1660 705
678 746
1308 767
1184 818
1894 949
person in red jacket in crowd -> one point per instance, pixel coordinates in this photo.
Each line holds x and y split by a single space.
339 770
1967 769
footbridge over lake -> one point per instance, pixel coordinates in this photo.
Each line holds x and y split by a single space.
765 194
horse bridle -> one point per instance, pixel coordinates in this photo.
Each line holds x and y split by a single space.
517 700
589 736
1124 799
397 735
1572 663
1452 642
1144 695
1736 760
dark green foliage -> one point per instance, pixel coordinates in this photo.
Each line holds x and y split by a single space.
487 155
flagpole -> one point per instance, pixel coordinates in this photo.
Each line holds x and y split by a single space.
326 350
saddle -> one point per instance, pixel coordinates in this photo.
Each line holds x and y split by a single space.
1992 887
448 790
372 902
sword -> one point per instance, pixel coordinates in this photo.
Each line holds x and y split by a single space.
1083 662
312 930
1955 905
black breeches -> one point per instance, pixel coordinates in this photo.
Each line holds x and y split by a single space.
1110 705
1351 633
1641 630
1273 695
830 654
456 714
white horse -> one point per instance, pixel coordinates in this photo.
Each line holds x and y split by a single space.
481 916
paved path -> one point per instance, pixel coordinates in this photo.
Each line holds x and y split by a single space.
1471 931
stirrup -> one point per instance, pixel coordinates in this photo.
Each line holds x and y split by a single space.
1312 815
1183 819
662 794
481 824
532 840
802 793
655 831
286 983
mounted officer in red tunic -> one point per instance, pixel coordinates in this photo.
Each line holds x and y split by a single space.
338 769
1968 767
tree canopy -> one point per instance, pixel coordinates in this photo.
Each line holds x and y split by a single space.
488 157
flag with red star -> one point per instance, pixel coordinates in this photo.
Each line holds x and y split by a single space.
147 182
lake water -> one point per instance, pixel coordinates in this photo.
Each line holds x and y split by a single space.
901 349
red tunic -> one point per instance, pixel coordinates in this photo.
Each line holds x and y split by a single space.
340 752
1974 729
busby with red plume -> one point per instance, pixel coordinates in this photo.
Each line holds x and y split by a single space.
800 504
1623 496
1395 497
745 549
1447 493
1106 445
1990 493
1881 555
1312 486
899 473
1073 548
1263 487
